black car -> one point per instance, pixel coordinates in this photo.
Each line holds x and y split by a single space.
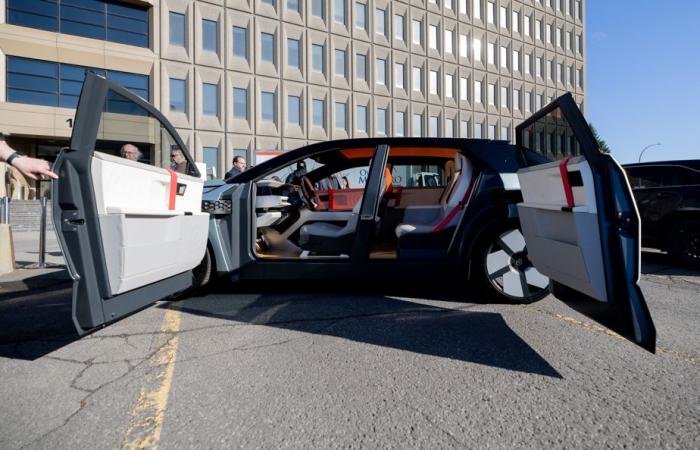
552 210
668 199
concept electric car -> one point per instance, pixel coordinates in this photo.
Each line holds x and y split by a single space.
549 213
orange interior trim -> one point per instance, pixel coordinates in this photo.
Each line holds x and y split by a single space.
352 153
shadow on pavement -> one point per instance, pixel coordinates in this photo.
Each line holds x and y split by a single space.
658 263
384 320
33 324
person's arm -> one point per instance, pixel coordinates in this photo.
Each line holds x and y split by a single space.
30 167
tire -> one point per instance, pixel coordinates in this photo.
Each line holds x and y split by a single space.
202 274
684 243
502 269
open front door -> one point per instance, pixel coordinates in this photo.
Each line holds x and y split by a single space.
580 221
126 207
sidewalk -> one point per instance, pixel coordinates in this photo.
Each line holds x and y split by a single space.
27 253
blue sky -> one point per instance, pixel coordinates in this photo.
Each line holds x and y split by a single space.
643 77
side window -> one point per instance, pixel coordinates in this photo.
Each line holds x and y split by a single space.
651 177
294 172
551 137
686 176
418 175
131 132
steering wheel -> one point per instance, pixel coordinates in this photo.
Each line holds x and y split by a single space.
309 194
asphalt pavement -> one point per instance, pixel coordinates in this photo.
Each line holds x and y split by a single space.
407 366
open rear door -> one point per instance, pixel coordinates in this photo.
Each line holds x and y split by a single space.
131 230
580 221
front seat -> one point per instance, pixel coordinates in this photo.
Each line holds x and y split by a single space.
328 239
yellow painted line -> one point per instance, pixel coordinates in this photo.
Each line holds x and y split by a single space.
147 416
683 356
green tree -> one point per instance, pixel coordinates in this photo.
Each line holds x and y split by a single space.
601 142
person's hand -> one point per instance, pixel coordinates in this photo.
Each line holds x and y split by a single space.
33 168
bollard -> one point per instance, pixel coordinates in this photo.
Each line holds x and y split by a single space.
5 210
42 234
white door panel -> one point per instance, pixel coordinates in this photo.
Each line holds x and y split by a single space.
580 221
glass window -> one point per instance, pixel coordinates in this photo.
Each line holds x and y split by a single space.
292 5
340 62
177 29
504 97
210 35
361 118
399 123
463 89
210 99
477 50
178 90
361 66
538 102
398 27
505 133
448 41
477 9
381 121
491 53
449 86
294 110
417 79
527 59
432 37
339 14
341 115
361 16
318 112
417 125
516 22
433 82
558 37
96 19
504 17
449 128
380 21
464 128
433 126
240 103
211 159
416 32
293 59
526 25
463 45
492 132
504 57
269 2
381 71
267 105
492 94
516 61
240 42
478 130
516 99
317 8
528 102
317 57
463 7
490 12
477 91
267 44
399 75
538 29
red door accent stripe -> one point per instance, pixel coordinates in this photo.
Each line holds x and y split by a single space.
568 192
173 189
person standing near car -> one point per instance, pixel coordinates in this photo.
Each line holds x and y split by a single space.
130 152
178 162
239 165
33 168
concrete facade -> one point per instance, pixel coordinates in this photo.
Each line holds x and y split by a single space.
437 58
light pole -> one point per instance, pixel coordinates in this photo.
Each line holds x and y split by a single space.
645 148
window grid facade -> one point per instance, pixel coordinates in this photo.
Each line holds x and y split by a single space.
308 58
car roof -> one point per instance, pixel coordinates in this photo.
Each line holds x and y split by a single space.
499 155
692 163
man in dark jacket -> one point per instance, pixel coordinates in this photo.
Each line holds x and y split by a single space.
239 166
